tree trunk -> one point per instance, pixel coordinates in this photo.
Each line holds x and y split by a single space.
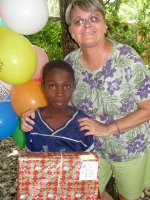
68 43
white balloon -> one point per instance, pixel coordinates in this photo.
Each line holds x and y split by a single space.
26 17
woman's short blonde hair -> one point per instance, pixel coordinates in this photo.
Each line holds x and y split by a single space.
87 5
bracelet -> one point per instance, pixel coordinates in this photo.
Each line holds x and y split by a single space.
116 123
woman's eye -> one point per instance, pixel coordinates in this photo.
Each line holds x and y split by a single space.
94 19
79 22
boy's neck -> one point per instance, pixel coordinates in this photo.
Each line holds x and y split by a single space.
56 118
58 112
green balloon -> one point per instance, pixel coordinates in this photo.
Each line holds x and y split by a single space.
19 136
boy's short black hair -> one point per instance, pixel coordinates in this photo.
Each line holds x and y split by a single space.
57 64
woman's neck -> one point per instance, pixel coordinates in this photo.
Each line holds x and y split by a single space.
95 57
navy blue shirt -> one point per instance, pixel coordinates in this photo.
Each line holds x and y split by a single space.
68 138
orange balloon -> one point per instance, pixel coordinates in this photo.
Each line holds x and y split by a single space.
27 96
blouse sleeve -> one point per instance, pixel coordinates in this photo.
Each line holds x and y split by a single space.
139 77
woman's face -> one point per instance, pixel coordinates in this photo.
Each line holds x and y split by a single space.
87 28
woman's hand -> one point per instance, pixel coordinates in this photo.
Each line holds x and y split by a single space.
93 127
27 120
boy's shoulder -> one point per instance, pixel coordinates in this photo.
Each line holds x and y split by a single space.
38 115
37 112
81 114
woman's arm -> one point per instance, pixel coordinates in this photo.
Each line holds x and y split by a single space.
27 120
136 118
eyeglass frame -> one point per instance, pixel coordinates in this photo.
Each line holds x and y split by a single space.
92 19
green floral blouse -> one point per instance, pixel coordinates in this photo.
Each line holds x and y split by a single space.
110 93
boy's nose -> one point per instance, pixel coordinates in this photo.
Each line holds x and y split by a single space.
60 91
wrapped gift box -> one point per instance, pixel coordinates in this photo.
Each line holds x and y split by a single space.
58 176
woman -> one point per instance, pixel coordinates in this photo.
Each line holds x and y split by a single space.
113 89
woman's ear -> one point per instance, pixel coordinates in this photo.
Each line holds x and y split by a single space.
69 28
105 29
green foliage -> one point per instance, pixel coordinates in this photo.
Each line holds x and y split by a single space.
134 32
128 34
49 38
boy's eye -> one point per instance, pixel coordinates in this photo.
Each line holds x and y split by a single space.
67 86
52 86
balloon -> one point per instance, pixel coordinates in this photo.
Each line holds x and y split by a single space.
39 79
19 136
8 98
42 60
18 59
25 16
2 23
27 96
8 120
4 90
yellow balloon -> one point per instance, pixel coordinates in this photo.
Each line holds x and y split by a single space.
18 58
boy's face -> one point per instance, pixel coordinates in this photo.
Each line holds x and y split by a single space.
58 87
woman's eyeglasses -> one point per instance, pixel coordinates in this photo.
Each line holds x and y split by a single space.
81 21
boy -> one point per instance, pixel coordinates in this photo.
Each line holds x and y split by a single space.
56 126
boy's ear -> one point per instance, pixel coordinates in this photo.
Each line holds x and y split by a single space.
74 86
